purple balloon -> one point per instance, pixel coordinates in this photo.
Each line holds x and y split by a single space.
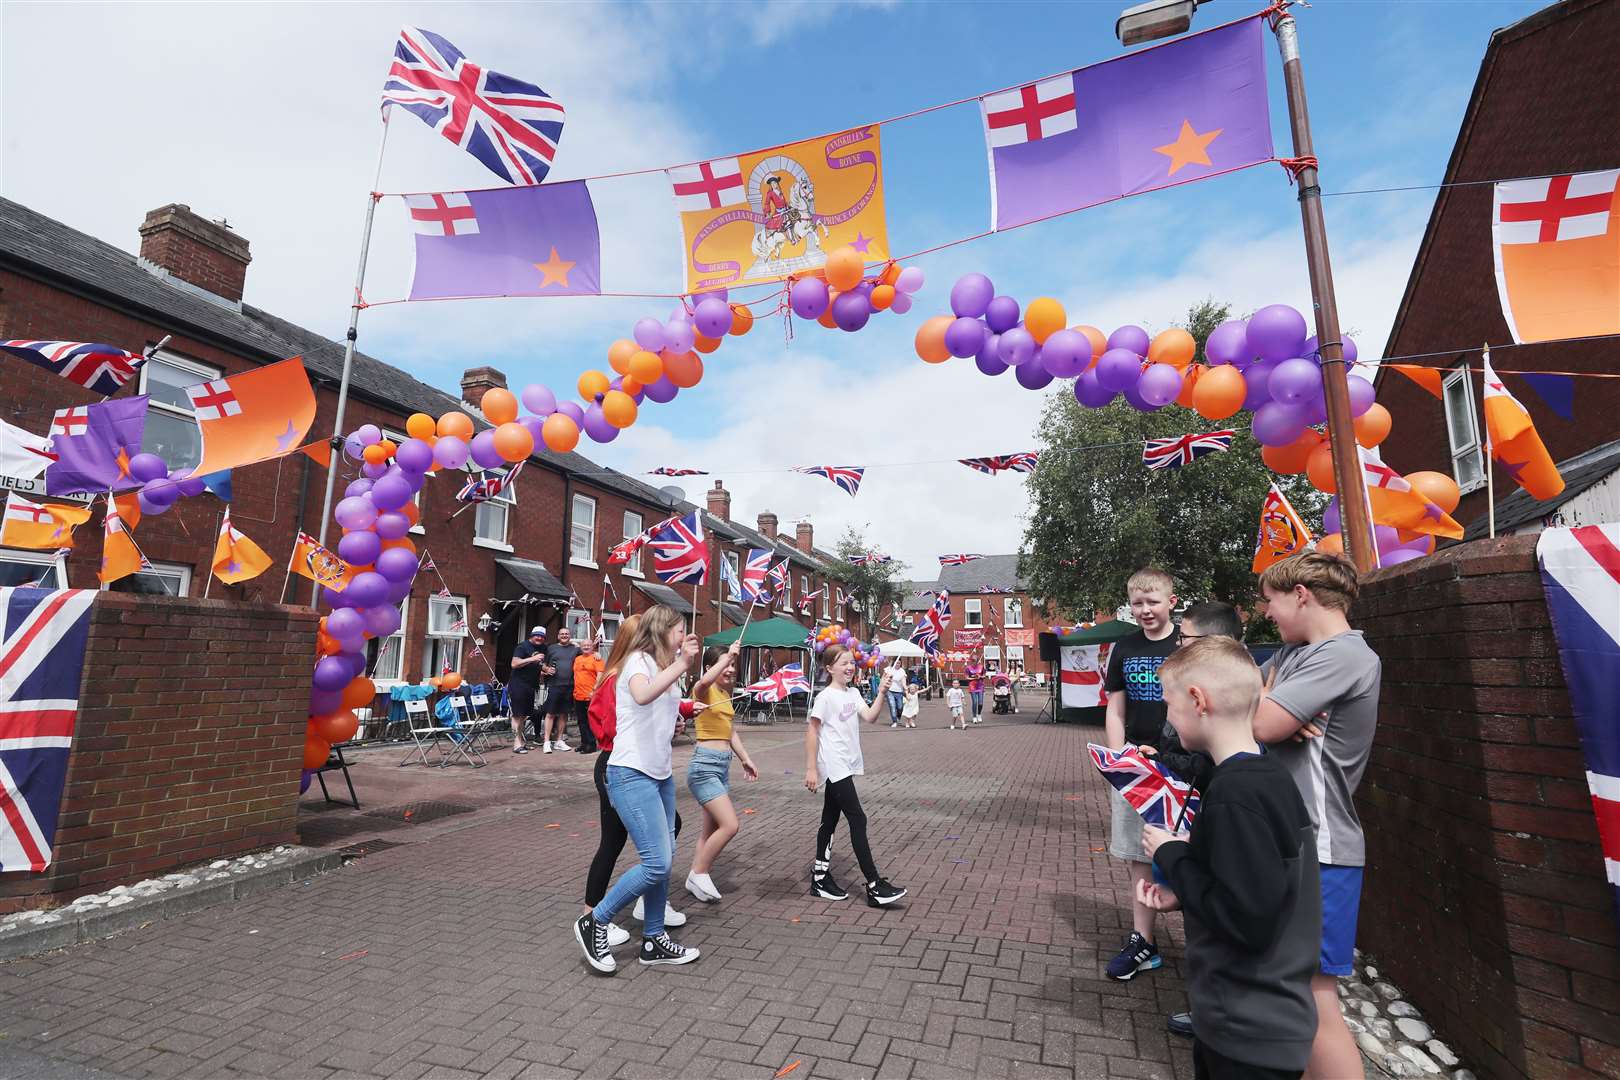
414 455
1362 395
150 508
1017 347
1066 353
356 513
368 434
161 492
909 281
535 424
1313 350
1277 332
353 447
1090 392
901 303
1257 380
397 591
382 620
1119 368
389 493
144 467
1159 384
1228 343
482 451
304 777
1275 424
190 485
450 451
1130 337
971 296
679 335
712 317
572 410
1400 555
357 488
356 661
989 357
346 624
373 472
649 334
397 564
1032 376
1137 401
965 336
1002 314
334 599
1293 381
366 589
539 399
332 673
851 311
809 297
663 391
1385 538
392 525
360 548
596 425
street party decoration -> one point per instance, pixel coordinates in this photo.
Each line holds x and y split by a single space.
1557 263
23 454
40 526
870 558
120 555
100 368
96 448
781 684
680 553
255 416
842 295
1155 792
868 655
958 560
847 477
1514 442
1184 449
932 624
666 470
1024 461
1282 531
517 241
237 558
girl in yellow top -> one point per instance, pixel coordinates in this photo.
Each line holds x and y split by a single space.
709 775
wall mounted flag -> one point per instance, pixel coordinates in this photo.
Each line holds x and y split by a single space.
120 556
101 368
255 416
680 552
1282 531
236 558
1188 109
22 453
728 580
40 526
527 241
1184 449
847 477
97 458
324 567
1515 444
512 127
1023 462
1557 245
488 483
764 215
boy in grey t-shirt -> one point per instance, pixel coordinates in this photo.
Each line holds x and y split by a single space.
1318 718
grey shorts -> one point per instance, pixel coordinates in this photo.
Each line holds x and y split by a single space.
709 775
1125 826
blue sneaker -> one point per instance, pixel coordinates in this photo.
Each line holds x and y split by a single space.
1137 955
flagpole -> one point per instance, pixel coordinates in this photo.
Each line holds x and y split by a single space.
1490 457
218 528
372 198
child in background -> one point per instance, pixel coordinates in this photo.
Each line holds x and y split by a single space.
953 702
912 706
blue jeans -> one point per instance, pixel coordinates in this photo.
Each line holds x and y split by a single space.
897 703
647 808
978 701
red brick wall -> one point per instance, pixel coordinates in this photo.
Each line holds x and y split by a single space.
1485 895
188 743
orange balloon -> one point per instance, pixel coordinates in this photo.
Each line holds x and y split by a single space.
560 432
512 440
1438 488
645 367
1044 317
844 268
1175 347
412 514
1372 427
450 680
826 319
882 296
631 385
742 320
402 542
684 369
499 405
374 454
1331 544
420 426
891 274
458 424
619 408
619 354
1098 339
326 644
1189 385
592 383
1292 458
931 339
336 727
316 750
706 345
1319 469
1220 392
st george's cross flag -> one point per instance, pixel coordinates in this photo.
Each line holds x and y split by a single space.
680 551
524 241
255 416
1580 572
512 127
847 477
1184 449
43 633
1154 791
1557 247
1185 110
236 558
101 368
1515 444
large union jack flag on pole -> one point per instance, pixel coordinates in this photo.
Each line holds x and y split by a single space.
41 660
847 477
781 684
1023 461
509 125
680 553
1184 449
755 589
932 624
102 368
1153 790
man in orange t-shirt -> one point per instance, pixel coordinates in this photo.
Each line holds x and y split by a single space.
587 670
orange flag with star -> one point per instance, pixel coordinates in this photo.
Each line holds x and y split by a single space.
254 416
236 558
1515 444
120 557
1557 245
40 526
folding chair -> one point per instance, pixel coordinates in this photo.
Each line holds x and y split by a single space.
426 733
488 719
462 734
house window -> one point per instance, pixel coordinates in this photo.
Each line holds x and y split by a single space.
992 654
972 613
171 425
633 527
736 563
387 655
579 624
610 628
825 604
491 516
1013 611
1015 658
582 531
164 579
446 630
40 568
1462 429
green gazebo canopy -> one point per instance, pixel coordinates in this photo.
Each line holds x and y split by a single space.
776 633
1103 632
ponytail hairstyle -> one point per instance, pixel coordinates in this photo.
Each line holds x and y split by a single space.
652 636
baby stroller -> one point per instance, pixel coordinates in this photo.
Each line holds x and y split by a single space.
1001 691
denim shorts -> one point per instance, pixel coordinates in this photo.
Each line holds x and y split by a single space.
709 775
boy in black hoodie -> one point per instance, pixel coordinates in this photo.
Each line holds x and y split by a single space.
1247 880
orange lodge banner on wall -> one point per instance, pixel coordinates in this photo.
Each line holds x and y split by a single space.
1557 243
769 214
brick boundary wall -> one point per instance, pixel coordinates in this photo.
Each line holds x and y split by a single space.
1485 896
188 744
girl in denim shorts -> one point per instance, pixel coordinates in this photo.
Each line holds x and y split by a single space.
709 775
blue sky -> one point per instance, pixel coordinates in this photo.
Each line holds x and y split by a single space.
287 154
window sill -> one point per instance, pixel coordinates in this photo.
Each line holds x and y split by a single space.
627 572
586 563
479 541
418 530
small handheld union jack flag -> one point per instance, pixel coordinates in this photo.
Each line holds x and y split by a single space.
1151 787
957 560
1023 462
755 569
780 580
780 684
1184 449
847 477
932 624
667 470
102 368
680 553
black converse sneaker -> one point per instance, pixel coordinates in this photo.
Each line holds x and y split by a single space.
880 892
822 883
593 939
665 950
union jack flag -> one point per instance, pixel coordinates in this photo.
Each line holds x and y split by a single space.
485 485
847 477
509 125
994 590
428 564
957 560
840 597
41 661
931 625
1184 449
1023 462
779 579
804 601
780 684
1151 787
870 558
755 570
666 470
102 368
680 553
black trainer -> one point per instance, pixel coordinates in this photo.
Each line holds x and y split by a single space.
1180 1024
823 885
665 950
593 939
881 892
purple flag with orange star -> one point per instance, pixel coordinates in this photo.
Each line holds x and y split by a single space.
1186 110
539 240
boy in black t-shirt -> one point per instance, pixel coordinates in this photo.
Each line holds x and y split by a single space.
1136 718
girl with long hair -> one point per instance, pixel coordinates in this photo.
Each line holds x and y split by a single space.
708 776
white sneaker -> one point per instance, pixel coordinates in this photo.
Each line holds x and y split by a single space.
671 916
558 744
617 935
545 748
702 887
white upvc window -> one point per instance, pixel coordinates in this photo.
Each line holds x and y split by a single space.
1015 657
610 627
171 423
972 613
826 605
632 528
387 654
163 579
492 518
992 653
735 560
579 624
42 568
1462 429
446 631
1013 611
582 531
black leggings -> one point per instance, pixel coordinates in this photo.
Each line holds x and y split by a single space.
612 840
841 798
1208 1065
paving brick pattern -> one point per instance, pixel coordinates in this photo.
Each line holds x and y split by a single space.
451 955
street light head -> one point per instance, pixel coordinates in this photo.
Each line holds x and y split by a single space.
1154 20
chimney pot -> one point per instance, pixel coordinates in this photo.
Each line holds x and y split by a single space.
207 254
804 534
719 500
475 381
767 525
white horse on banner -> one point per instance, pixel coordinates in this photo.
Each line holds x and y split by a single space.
799 225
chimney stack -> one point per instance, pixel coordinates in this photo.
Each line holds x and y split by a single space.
767 525
720 502
204 253
804 534
474 381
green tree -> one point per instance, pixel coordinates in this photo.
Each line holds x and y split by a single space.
1097 514
872 585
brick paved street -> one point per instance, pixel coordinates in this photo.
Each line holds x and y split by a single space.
450 955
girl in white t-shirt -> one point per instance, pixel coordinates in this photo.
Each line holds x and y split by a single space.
832 747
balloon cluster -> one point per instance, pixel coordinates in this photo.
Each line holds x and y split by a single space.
867 656
160 486
998 334
841 296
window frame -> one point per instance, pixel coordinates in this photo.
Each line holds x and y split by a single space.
374 650
613 620
159 570
1460 376
826 602
632 566
972 613
506 499
433 638
204 373
1007 603
573 525
1015 655
578 623
42 559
